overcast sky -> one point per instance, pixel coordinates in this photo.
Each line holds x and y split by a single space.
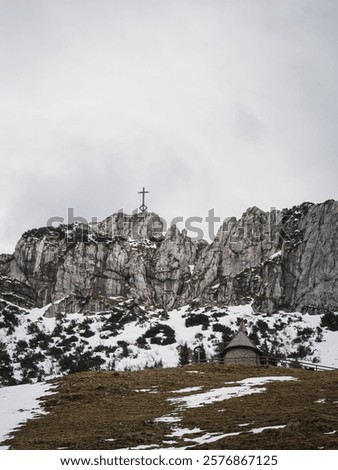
222 104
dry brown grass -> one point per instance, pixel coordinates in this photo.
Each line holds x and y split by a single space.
91 407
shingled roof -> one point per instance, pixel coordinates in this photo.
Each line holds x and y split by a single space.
241 340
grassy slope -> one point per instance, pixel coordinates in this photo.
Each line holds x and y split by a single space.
91 407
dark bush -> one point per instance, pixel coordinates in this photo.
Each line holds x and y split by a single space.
51 233
217 315
198 319
160 334
183 354
66 342
8 319
254 338
297 340
6 369
30 368
80 361
42 339
58 329
118 319
33 329
70 329
142 342
305 333
156 365
227 332
262 326
100 348
302 352
87 333
21 346
56 352
218 327
124 345
330 321
30 360
111 327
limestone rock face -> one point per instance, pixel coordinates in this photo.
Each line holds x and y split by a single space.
249 241
139 226
278 260
310 258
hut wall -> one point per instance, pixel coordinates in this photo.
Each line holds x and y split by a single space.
241 356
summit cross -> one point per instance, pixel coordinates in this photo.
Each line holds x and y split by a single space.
143 207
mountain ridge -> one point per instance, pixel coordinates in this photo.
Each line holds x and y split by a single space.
130 256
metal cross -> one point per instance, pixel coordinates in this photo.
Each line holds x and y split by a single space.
143 208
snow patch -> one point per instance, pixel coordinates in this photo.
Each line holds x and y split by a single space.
244 387
179 432
19 403
259 430
168 419
276 255
187 390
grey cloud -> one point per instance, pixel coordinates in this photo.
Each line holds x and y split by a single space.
210 104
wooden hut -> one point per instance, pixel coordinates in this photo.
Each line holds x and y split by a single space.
241 349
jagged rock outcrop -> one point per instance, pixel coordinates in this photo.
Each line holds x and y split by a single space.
302 276
18 293
280 260
310 258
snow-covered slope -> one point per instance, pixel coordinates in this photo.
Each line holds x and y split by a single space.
133 337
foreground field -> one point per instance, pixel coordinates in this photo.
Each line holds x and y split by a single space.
193 407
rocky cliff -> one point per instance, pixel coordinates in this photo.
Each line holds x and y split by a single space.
282 260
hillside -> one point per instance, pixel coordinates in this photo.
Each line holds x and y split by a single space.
192 407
